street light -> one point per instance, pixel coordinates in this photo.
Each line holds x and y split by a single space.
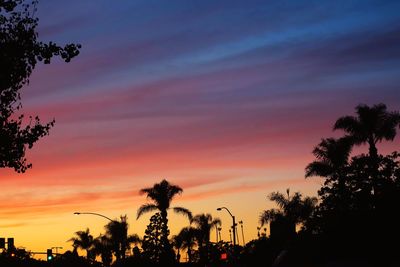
92 213
233 224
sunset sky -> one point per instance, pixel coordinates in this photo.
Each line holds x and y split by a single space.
224 98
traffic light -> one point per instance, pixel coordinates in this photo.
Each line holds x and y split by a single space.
2 242
50 255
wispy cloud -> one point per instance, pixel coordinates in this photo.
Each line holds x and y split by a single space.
204 94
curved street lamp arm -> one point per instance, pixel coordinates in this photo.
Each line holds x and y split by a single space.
92 213
233 224
226 210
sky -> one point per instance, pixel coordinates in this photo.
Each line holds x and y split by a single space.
226 99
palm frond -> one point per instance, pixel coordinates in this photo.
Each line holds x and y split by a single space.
388 129
183 211
348 124
268 216
318 168
279 199
216 222
145 208
174 190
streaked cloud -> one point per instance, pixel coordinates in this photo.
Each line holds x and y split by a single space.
224 98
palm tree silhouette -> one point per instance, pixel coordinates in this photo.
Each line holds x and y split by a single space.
83 240
162 194
117 233
177 244
332 162
292 209
332 155
203 224
102 245
188 237
372 125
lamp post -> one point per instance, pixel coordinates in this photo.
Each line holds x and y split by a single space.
93 213
233 224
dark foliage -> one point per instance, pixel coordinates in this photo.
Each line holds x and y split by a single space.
155 245
204 223
20 51
118 238
67 259
358 212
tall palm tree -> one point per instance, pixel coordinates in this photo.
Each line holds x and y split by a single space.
370 126
293 209
83 240
162 195
204 223
117 232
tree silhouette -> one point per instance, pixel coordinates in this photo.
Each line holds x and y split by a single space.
360 193
117 233
188 236
162 194
332 163
292 210
155 247
372 125
203 224
20 51
102 245
177 243
83 240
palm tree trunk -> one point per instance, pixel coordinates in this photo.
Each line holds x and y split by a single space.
374 165
117 254
342 189
123 249
373 151
189 252
164 229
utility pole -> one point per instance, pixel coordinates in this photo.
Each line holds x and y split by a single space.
241 226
